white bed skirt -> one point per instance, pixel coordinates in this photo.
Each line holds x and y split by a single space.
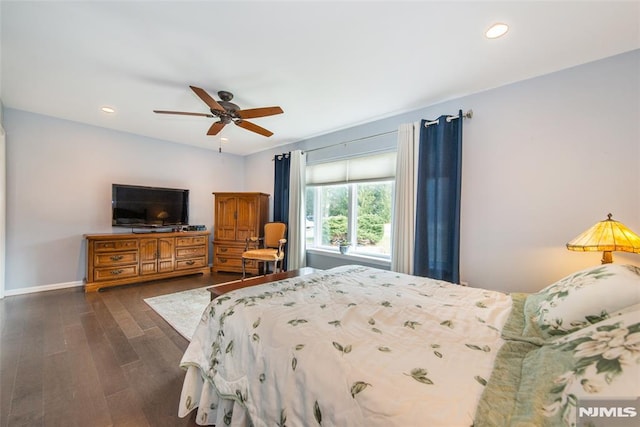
212 409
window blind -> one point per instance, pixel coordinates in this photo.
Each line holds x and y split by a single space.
368 168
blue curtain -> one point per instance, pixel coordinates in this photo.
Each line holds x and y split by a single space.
281 188
281 193
437 235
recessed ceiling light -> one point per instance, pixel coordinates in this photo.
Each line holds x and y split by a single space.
497 30
108 110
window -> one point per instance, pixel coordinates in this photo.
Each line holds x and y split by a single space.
358 212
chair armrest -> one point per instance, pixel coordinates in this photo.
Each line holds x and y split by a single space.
281 245
252 240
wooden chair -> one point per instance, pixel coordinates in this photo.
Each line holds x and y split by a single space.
269 248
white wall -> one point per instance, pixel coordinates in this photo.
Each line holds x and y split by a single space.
3 204
59 176
543 160
3 175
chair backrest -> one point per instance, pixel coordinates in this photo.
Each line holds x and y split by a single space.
273 232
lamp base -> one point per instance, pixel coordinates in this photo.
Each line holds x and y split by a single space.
607 257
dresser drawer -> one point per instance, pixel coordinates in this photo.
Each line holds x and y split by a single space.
235 262
185 264
231 262
115 259
191 241
115 273
229 251
115 245
190 252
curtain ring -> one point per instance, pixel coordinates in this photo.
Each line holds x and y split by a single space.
281 156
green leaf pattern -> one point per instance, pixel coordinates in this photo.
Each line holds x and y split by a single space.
343 349
555 326
420 375
358 387
318 312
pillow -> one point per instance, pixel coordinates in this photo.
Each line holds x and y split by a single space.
601 361
581 299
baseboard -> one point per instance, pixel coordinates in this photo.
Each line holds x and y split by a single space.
42 288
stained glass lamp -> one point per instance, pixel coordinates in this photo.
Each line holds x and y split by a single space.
606 236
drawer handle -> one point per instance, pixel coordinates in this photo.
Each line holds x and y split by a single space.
116 257
222 260
190 262
223 249
116 272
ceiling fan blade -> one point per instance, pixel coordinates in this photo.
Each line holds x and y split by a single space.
253 127
183 113
215 128
212 103
252 113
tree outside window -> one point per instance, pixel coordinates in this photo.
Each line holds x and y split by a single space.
357 213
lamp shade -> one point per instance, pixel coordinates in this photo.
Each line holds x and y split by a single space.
607 236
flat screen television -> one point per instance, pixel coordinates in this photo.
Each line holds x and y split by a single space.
138 206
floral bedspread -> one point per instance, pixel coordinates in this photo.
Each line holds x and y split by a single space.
351 346
571 356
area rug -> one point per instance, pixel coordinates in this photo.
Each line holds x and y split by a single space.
182 310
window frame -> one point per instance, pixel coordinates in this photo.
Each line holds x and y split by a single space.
352 220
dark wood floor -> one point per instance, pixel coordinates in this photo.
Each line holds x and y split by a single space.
102 359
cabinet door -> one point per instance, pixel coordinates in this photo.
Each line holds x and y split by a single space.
148 256
247 221
165 254
226 213
156 255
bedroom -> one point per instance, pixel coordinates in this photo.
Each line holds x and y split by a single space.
552 144
554 130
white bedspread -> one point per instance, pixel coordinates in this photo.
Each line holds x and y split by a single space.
352 346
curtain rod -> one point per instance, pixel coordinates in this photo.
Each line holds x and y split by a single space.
280 156
341 143
353 140
467 115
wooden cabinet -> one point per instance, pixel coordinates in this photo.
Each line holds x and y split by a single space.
119 259
156 255
237 216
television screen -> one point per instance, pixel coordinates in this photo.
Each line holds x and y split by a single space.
135 206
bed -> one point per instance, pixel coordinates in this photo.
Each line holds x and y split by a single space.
357 346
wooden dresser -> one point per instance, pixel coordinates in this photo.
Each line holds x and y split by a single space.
120 259
236 217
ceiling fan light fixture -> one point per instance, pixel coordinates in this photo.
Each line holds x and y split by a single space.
228 112
497 30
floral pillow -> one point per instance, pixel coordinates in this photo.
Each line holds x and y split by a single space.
601 361
581 299
604 363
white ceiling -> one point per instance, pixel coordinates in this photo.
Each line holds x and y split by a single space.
329 65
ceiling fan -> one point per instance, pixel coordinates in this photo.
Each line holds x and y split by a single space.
227 112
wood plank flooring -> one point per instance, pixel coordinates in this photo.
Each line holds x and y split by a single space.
101 359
